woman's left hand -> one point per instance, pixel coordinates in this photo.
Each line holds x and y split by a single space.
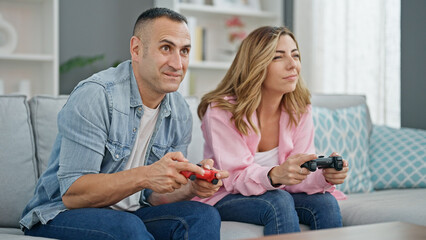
336 177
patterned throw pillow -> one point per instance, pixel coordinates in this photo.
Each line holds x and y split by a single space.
398 157
345 131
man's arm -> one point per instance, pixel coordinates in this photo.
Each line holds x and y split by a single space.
101 190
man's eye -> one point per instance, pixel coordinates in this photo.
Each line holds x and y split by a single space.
165 48
185 51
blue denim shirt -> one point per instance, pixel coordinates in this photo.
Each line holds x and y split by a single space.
97 129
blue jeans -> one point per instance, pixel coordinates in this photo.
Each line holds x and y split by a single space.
180 220
281 212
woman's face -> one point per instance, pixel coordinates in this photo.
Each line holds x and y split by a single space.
283 72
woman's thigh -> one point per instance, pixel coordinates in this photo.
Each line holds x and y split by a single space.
319 211
92 223
273 209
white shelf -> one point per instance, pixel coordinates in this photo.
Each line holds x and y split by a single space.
210 65
27 57
32 68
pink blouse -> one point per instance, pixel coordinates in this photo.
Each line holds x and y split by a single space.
234 152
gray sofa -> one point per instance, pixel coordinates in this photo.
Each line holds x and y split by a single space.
28 129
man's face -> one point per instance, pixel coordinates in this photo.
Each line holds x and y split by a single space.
163 56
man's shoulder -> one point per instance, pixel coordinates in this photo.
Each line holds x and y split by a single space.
111 77
178 106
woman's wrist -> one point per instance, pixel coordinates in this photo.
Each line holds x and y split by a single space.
272 182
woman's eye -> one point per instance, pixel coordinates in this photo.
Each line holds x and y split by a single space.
276 57
296 56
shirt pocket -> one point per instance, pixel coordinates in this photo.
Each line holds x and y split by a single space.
158 151
117 157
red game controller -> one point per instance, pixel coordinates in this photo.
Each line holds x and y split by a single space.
209 175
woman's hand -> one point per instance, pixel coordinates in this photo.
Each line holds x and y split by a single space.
335 177
291 172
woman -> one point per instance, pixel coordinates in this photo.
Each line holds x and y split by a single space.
257 125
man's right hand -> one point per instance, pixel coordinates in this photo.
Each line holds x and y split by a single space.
164 175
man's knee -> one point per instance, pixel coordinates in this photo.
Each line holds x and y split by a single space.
130 226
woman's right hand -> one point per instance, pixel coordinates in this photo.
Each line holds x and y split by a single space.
290 172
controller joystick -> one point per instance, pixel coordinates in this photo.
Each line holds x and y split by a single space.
209 175
321 162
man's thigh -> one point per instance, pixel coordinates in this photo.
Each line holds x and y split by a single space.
181 220
92 223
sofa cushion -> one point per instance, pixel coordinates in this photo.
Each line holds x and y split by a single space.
398 157
404 205
18 172
44 111
336 101
344 130
196 147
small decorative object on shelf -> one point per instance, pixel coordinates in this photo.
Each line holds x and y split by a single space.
8 37
236 34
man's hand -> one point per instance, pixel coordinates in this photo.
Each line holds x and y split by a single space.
204 189
335 177
164 175
290 172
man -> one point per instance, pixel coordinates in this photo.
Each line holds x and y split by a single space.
114 172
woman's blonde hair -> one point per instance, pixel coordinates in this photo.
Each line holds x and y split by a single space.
245 77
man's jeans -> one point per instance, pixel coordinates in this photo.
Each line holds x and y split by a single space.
281 212
181 220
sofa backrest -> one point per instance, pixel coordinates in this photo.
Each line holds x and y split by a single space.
335 101
18 168
44 111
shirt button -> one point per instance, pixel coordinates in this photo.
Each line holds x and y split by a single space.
140 109
116 156
134 129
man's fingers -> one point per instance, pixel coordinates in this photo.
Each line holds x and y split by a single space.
207 163
177 156
190 167
222 174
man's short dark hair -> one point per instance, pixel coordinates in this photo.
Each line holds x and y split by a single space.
154 13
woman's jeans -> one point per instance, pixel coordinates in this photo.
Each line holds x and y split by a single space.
281 212
180 220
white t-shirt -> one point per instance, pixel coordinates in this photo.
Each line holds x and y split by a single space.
137 157
268 158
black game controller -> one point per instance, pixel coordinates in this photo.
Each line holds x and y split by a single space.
335 162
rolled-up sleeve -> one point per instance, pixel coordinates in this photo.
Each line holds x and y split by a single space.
83 124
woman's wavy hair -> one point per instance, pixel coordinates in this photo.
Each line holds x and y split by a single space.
245 77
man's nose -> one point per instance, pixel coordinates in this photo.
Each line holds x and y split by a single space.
176 61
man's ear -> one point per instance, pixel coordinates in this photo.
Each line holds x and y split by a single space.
136 48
